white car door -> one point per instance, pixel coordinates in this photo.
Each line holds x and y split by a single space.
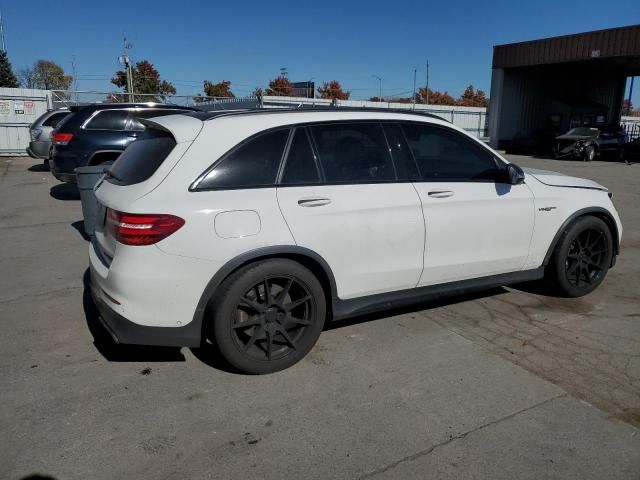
477 224
340 198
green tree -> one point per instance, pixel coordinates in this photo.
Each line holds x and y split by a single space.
146 80
7 78
280 86
222 89
46 75
333 90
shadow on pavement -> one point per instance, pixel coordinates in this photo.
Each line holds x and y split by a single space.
79 226
65 191
39 167
113 352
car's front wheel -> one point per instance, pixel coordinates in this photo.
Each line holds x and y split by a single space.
581 258
589 153
268 315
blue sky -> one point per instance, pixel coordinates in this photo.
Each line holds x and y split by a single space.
247 42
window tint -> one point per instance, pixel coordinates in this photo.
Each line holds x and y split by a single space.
142 157
300 167
443 154
353 153
402 158
149 113
54 119
108 120
252 164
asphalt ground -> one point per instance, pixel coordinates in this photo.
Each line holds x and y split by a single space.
509 383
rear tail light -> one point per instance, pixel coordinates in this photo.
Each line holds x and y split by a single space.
141 229
35 134
61 138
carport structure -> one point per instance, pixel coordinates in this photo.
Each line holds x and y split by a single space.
541 88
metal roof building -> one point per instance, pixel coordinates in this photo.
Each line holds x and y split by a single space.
541 88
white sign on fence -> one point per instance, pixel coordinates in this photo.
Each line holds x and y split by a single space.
5 108
18 107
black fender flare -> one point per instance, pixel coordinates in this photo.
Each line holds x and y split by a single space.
320 267
599 212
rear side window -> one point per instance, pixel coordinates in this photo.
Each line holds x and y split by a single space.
253 163
300 167
141 158
108 120
446 155
54 119
353 153
137 126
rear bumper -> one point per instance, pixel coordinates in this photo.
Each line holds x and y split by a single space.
39 150
125 331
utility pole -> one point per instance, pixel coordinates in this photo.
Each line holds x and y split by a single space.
380 85
124 60
415 73
75 78
2 33
427 90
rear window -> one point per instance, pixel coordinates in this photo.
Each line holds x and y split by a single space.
54 119
141 158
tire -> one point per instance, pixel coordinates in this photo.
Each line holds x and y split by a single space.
256 338
589 153
582 257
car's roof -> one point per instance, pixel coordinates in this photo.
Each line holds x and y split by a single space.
205 116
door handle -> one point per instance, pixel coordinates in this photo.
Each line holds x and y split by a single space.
314 201
441 193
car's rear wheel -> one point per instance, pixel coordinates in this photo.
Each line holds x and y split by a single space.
582 257
268 316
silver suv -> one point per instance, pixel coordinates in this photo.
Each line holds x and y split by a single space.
40 145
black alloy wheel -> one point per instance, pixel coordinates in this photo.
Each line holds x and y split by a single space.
581 258
585 259
268 315
272 317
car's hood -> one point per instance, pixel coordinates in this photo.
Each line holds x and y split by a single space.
574 137
556 179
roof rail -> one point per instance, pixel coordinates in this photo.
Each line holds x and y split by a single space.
298 109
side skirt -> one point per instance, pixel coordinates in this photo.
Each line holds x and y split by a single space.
384 301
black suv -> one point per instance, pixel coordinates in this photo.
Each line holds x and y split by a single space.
98 134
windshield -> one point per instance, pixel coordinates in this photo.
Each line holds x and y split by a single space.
584 132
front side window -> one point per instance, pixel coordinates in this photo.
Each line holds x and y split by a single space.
253 163
353 153
108 120
446 155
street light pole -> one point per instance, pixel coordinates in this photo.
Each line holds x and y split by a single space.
380 85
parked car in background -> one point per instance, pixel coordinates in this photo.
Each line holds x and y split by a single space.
250 229
97 134
40 145
586 143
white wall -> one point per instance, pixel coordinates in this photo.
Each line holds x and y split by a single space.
14 126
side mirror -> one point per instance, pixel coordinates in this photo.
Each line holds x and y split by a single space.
515 174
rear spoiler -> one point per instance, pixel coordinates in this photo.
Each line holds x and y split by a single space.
183 128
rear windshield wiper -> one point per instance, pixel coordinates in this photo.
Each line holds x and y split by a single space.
110 174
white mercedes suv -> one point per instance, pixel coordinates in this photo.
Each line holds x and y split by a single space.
250 229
